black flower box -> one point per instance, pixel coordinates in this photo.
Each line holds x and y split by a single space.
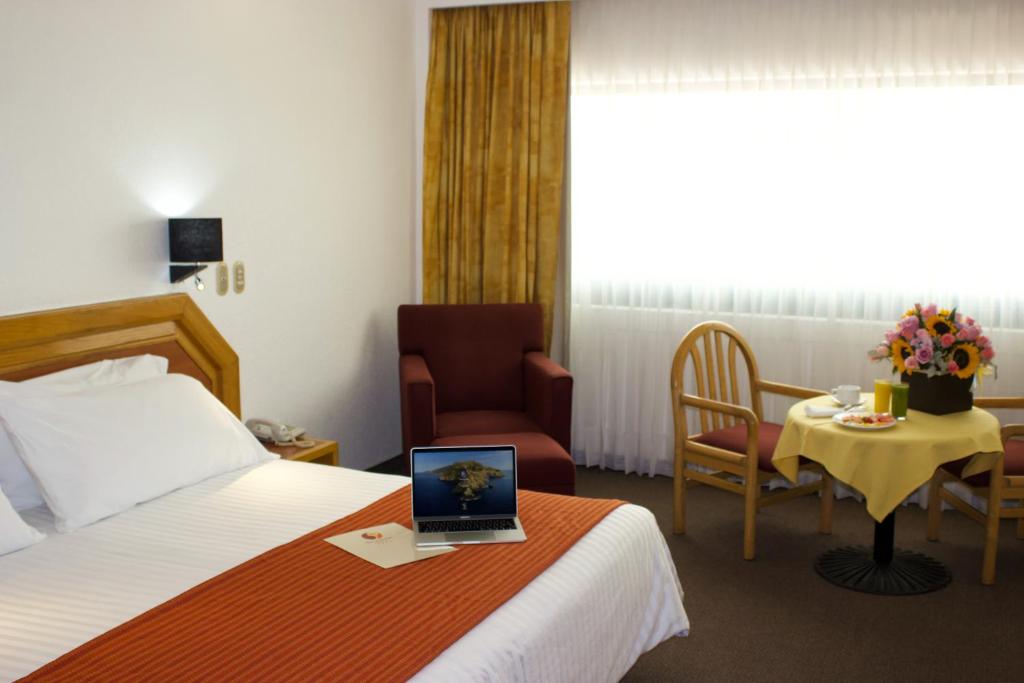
939 395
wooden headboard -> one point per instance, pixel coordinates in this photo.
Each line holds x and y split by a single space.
172 326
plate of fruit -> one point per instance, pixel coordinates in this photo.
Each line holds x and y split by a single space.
869 421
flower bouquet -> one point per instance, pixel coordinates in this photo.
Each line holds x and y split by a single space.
938 352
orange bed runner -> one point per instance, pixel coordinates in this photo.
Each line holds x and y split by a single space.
307 610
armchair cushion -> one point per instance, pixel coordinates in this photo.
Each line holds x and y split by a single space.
735 439
542 464
484 422
1013 464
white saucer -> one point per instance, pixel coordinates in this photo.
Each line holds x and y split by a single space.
847 406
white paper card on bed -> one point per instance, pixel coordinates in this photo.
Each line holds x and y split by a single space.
101 450
14 533
15 480
388 545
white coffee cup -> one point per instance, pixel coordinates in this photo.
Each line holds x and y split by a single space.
847 394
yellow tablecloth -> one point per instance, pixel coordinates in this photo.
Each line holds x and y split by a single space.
889 464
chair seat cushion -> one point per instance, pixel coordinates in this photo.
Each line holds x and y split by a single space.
484 422
542 464
735 439
1013 464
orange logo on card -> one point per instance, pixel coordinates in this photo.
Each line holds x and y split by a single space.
372 535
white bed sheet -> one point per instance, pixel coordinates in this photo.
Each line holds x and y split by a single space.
610 598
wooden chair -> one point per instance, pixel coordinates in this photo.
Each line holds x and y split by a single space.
734 441
1004 482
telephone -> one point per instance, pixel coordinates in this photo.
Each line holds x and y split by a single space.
277 432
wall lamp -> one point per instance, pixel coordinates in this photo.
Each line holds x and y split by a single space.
194 241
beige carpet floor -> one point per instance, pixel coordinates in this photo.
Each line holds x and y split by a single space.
775 619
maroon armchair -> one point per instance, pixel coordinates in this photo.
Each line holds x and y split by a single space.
476 374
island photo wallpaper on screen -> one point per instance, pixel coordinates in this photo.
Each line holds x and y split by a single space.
464 482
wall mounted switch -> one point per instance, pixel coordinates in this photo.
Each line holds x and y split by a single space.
222 278
239 269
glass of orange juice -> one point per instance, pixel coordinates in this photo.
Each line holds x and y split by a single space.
883 392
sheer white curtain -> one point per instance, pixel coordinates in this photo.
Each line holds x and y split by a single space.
803 169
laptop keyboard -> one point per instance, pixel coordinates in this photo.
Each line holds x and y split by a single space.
456 525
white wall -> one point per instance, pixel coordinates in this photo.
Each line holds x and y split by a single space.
294 121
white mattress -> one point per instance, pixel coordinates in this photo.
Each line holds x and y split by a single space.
610 598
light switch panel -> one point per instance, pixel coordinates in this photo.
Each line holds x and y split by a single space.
223 283
239 269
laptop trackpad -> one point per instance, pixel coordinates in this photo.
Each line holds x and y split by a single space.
470 537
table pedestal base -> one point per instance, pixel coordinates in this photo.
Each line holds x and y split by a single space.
883 570
908 573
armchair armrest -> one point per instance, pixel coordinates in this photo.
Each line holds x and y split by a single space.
753 426
549 396
418 404
1010 431
788 389
742 412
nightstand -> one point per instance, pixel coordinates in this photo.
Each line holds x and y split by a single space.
322 451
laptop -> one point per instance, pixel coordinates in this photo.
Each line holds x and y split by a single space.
465 494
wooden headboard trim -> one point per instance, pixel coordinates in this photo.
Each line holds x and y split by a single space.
66 336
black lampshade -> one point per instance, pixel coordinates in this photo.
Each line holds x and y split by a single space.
195 240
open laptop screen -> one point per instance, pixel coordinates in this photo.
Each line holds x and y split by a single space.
460 482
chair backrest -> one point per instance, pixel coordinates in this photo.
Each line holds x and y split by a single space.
474 351
712 349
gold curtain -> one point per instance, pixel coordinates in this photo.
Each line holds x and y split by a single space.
494 154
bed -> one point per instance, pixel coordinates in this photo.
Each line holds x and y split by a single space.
587 617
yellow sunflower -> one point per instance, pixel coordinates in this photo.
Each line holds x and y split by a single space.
938 325
968 358
900 352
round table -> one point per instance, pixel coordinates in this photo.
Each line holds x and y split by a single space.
886 465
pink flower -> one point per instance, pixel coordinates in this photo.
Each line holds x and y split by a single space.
961 333
988 353
983 341
910 323
911 363
959 318
924 354
891 336
929 310
952 366
907 334
947 340
922 335
972 332
970 320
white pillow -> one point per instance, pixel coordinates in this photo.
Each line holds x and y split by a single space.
15 481
14 533
100 451
104 373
